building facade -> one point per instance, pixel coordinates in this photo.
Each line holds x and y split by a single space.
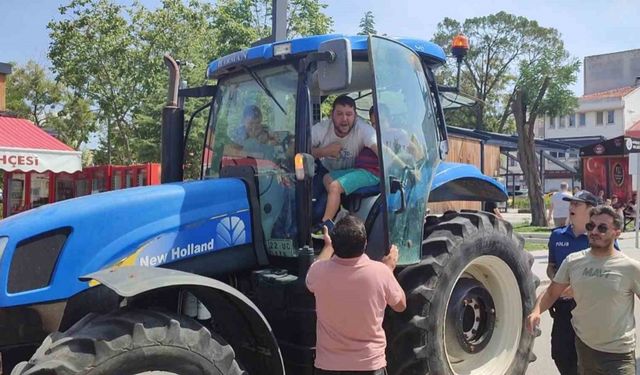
609 108
599 116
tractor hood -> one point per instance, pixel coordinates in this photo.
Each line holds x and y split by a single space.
464 182
44 251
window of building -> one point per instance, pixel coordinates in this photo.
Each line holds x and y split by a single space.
552 122
561 155
560 122
599 118
583 119
39 189
610 117
554 154
572 120
573 155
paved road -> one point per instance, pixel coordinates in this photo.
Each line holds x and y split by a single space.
542 346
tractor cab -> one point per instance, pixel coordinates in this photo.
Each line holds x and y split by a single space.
268 98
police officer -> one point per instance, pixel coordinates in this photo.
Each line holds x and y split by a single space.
562 242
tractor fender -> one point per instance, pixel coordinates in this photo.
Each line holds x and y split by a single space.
133 281
464 182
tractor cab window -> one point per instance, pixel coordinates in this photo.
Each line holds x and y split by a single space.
409 138
253 125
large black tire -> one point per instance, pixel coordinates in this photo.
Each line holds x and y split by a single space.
466 301
131 342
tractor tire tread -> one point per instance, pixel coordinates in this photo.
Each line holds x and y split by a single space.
443 238
99 338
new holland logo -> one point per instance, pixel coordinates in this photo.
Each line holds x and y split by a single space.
231 231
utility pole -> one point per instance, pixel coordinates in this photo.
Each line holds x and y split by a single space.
278 23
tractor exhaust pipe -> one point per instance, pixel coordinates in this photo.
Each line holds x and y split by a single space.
172 128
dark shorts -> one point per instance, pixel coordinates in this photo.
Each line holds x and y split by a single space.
382 371
594 362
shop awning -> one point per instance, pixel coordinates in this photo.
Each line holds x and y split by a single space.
25 147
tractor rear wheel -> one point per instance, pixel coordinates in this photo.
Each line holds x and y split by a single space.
466 301
132 342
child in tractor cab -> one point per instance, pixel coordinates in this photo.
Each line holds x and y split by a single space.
347 147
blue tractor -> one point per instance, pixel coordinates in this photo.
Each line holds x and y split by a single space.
207 277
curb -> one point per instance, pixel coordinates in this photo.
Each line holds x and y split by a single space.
535 237
540 235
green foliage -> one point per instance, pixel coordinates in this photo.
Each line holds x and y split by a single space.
111 54
535 246
526 228
368 24
548 61
31 94
35 96
506 51
242 22
74 122
305 17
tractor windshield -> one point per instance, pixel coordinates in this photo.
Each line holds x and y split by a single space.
255 127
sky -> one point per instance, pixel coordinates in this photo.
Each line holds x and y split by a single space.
588 27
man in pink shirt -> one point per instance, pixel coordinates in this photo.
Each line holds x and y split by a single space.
352 293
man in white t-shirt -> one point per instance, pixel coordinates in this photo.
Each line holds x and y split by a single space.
336 142
559 209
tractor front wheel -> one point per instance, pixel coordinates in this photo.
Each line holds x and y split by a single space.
132 342
467 300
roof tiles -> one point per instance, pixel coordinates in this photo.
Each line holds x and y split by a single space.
21 133
615 93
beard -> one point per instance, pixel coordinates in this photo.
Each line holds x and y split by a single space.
601 244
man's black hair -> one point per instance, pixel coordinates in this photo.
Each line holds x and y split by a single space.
349 237
344 100
605 210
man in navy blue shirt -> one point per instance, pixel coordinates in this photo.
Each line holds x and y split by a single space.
562 242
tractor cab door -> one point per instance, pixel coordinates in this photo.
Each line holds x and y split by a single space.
408 140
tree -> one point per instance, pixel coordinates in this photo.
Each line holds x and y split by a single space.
112 55
242 22
367 24
31 94
541 89
516 67
35 96
498 42
93 52
74 122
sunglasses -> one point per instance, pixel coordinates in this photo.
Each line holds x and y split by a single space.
602 228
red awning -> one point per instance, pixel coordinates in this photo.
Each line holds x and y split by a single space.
633 131
25 147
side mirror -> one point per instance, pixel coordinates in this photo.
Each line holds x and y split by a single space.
335 74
